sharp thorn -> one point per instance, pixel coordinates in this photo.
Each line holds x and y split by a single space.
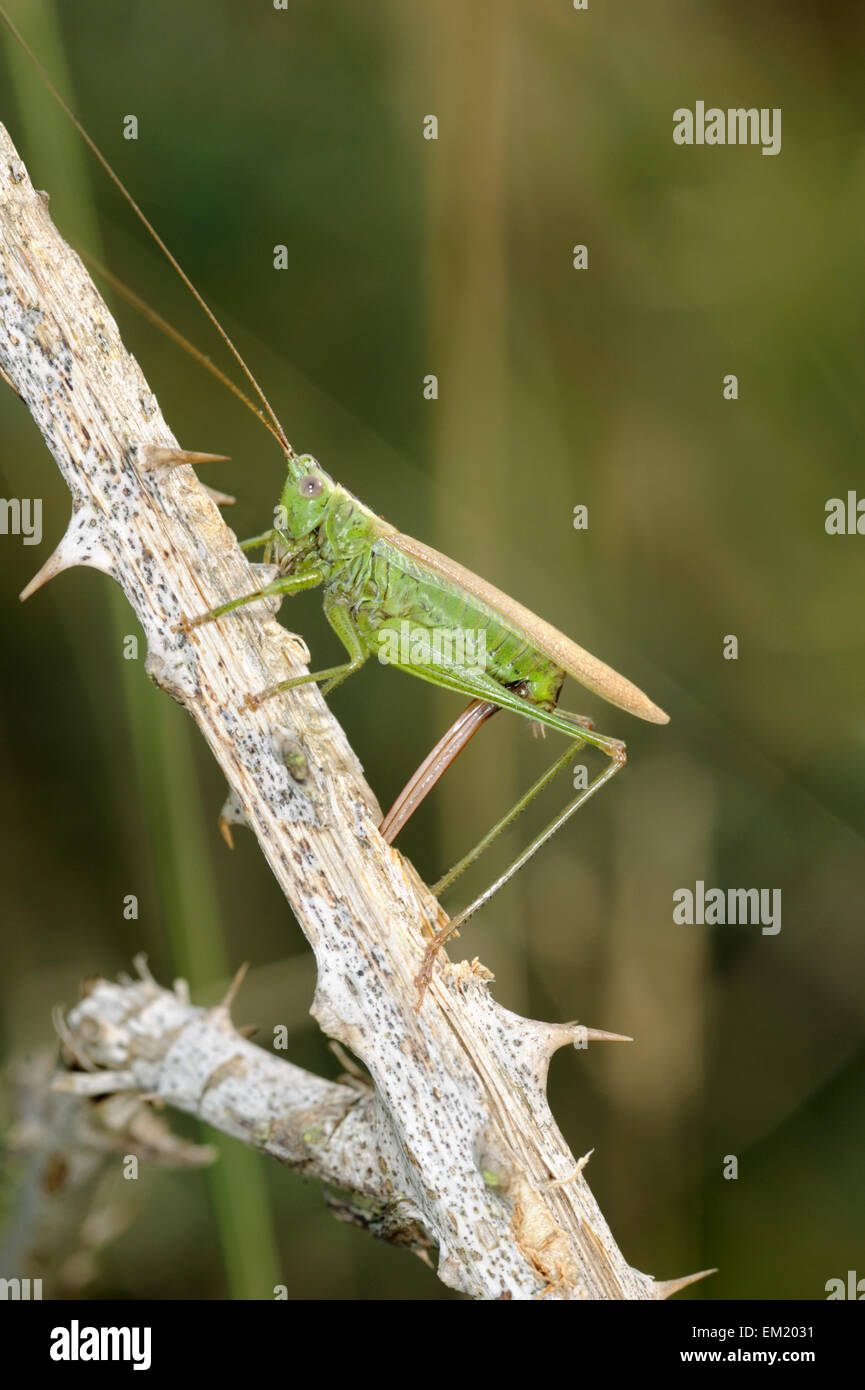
665 1288
231 814
225 832
82 544
579 1034
140 963
549 1037
599 1035
158 456
222 499
54 565
231 992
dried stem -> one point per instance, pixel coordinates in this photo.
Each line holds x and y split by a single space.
457 1134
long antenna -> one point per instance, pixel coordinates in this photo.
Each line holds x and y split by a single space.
115 179
171 332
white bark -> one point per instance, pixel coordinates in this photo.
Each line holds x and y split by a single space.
134 1036
457 1134
62 1152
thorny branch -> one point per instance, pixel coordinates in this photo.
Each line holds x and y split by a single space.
455 1147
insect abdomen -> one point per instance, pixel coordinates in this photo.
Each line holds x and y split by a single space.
430 621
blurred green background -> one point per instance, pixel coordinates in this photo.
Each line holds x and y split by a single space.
556 387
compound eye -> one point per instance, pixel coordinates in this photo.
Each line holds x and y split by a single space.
310 486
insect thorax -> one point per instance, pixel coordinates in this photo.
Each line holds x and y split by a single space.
348 529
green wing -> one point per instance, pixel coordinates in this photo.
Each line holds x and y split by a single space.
595 675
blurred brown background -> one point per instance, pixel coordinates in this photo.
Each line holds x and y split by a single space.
556 387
